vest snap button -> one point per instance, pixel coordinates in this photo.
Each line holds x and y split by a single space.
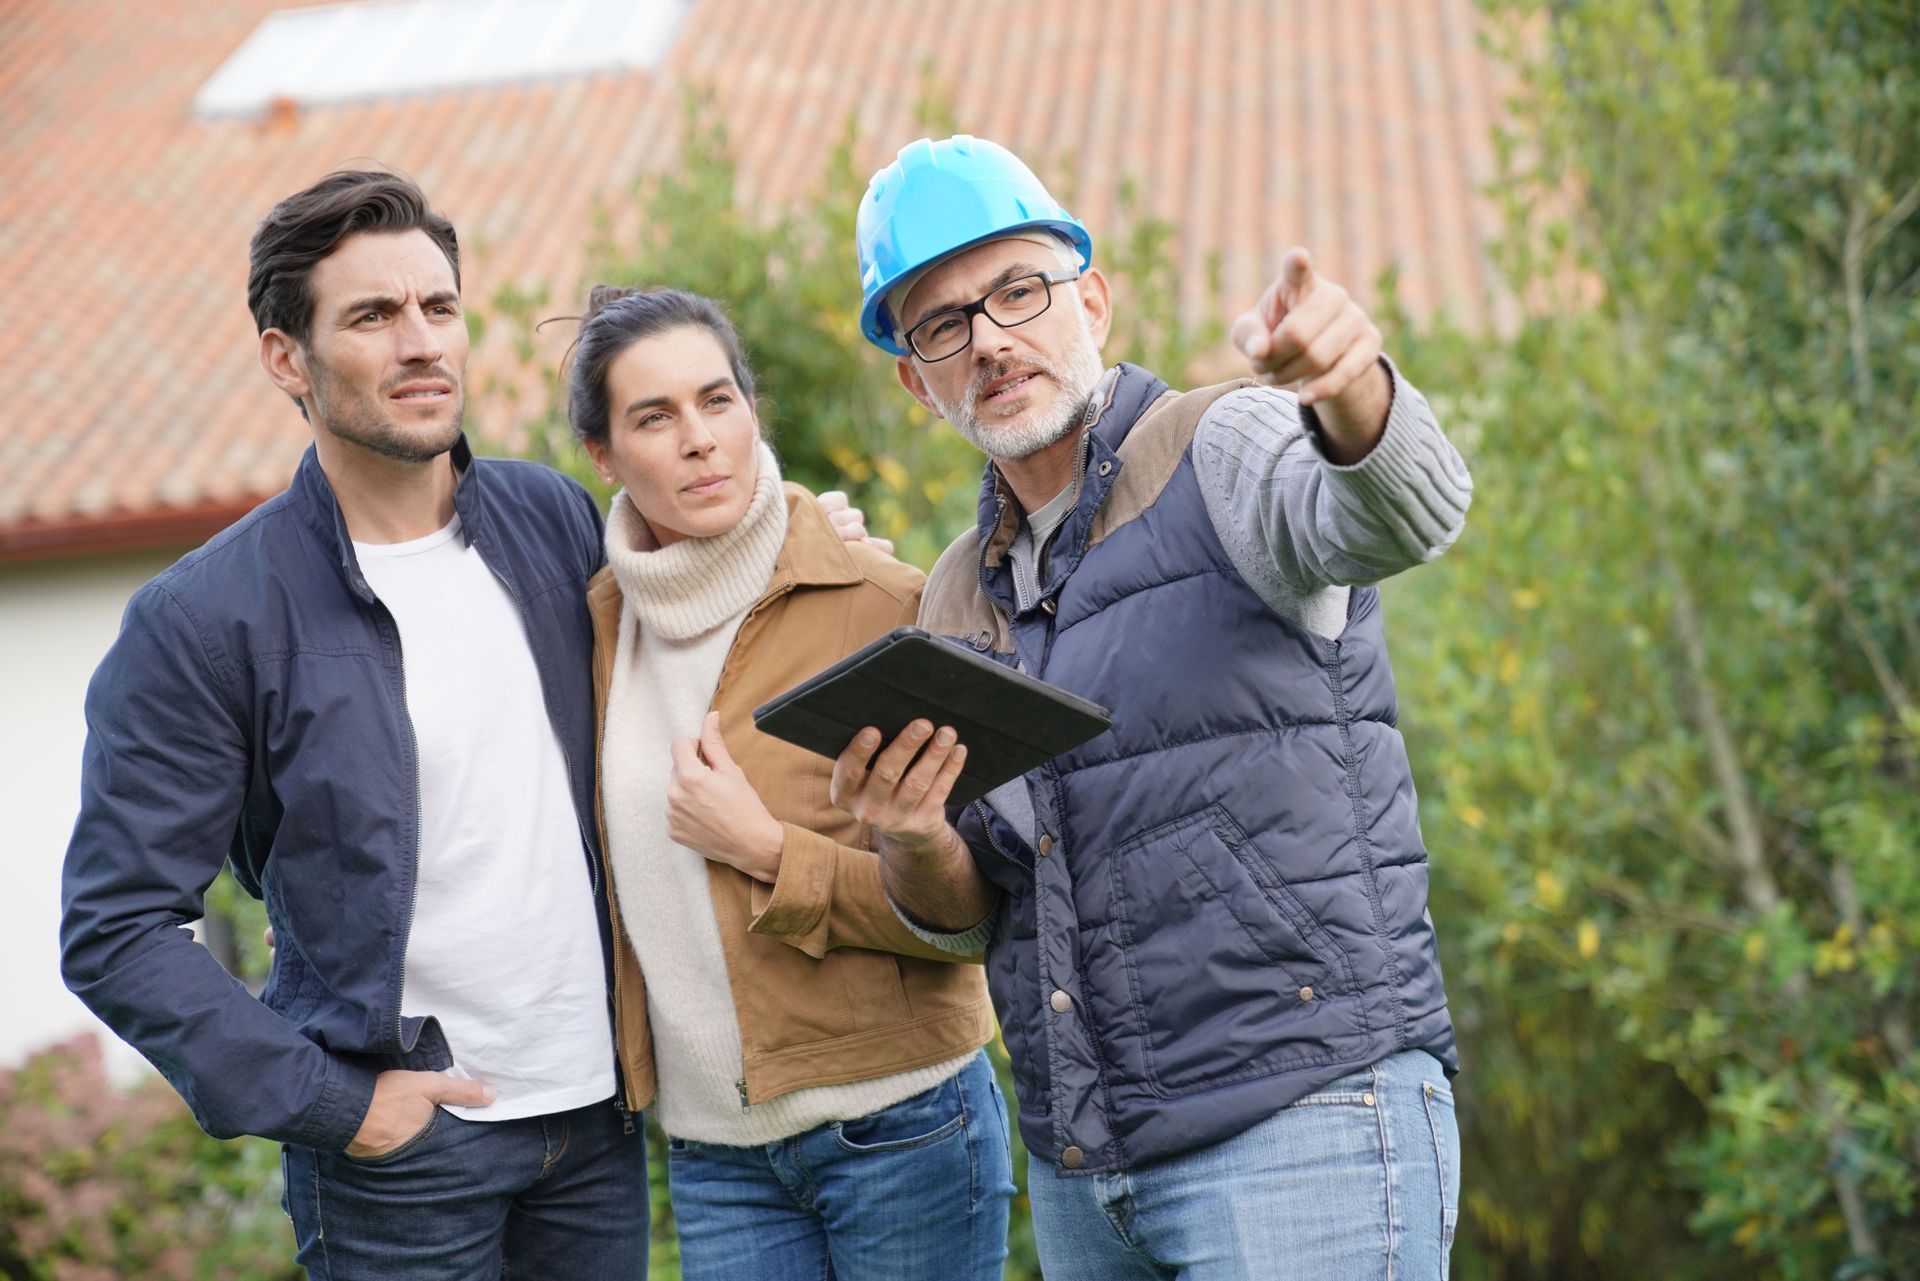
1060 1001
1046 844
1073 1158
1306 993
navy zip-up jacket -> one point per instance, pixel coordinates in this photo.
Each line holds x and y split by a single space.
253 709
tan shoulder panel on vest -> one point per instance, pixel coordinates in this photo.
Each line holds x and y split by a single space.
954 605
1151 452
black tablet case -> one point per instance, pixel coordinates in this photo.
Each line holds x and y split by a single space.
1009 721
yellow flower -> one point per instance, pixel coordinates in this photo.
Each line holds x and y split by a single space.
892 473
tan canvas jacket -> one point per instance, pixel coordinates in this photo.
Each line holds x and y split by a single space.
828 985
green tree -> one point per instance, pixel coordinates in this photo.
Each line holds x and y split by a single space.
1663 690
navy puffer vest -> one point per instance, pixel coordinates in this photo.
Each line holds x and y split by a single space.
1227 905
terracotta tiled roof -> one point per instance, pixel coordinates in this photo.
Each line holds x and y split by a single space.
134 408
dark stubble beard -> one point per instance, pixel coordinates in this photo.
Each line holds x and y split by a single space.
354 417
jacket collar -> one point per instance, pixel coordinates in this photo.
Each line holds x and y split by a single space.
319 508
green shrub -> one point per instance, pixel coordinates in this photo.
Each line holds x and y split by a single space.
99 1183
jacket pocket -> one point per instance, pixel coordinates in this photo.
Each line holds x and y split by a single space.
1226 969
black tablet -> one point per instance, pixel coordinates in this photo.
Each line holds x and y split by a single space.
1009 721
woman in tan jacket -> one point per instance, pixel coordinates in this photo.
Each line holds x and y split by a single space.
816 1066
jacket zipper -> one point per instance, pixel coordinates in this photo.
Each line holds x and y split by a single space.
419 817
986 825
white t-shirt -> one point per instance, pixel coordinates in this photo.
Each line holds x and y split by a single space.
505 948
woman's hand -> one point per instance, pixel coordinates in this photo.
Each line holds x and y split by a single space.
712 808
849 521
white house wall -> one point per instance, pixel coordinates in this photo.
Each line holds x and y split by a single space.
56 620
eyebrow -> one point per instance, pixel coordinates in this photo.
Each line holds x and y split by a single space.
1008 274
360 306
654 402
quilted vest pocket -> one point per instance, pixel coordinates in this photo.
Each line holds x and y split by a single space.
1228 971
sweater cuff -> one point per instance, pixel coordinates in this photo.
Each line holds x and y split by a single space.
794 908
1411 470
968 942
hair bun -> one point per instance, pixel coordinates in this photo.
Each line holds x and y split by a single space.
602 297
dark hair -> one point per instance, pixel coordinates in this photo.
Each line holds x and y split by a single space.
308 225
619 317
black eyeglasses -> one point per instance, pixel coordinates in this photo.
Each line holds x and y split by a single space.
948 333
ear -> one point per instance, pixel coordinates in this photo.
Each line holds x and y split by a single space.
285 363
1096 298
909 375
602 460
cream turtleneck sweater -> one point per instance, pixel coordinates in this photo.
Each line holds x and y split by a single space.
683 607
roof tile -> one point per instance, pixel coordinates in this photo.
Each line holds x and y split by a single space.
1359 129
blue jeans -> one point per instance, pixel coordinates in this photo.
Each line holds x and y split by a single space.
917 1190
1358 1182
561 1196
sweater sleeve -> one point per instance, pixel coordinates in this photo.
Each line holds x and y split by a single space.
1294 522
968 943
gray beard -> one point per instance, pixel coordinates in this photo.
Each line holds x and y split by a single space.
356 419
1076 374
1017 445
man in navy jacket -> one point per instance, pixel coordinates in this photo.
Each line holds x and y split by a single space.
373 696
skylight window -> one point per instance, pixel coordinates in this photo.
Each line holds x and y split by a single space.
387 48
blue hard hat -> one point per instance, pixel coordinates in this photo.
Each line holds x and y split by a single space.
935 198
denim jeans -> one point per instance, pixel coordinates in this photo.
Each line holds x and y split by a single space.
562 1196
1357 1182
917 1190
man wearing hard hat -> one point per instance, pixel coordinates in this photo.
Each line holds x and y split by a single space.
1206 929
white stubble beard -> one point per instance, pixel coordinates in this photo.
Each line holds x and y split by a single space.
1076 374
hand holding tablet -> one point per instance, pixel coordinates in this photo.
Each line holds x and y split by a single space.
1007 721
